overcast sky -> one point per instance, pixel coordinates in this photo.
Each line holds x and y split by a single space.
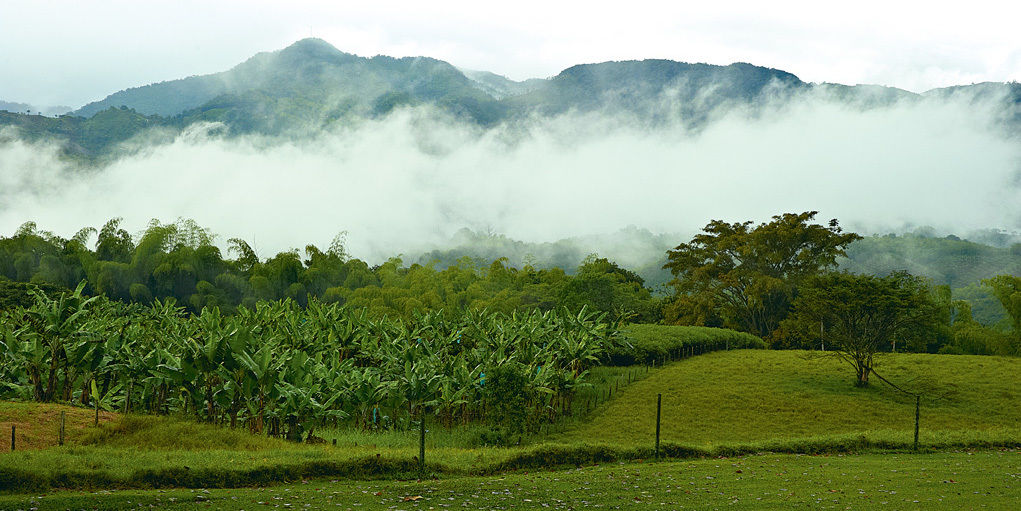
73 52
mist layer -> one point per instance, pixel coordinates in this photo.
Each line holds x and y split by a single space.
416 176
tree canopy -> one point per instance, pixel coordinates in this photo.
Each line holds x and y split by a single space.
744 276
861 314
180 261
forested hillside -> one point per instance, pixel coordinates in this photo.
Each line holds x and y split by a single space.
310 86
948 260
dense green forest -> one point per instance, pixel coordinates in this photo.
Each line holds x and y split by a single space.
180 262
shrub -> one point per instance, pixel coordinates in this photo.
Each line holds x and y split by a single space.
658 343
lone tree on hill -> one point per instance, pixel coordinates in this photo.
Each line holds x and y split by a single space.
863 313
745 276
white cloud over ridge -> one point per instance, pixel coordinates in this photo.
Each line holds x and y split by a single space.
415 177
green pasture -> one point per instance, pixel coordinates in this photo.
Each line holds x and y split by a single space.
721 404
947 481
783 396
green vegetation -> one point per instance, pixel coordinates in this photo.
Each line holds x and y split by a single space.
745 277
288 368
802 397
723 404
948 260
38 424
82 140
860 314
288 371
956 480
655 344
754 279
180 261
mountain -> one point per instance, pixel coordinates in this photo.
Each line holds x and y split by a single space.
14 107
310 85
87 140
500 86
311 80
655 88
1007 93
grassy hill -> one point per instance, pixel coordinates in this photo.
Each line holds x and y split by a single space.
725 403
787 396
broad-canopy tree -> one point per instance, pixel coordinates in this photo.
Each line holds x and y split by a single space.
862 314
745 276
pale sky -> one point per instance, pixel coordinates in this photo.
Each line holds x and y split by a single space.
73 52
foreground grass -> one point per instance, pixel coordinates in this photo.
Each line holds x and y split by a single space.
957 480
757 395
721 404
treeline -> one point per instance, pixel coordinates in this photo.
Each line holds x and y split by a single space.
739 276
179 261
777 280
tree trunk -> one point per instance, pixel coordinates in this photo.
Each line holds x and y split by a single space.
862 371
209 402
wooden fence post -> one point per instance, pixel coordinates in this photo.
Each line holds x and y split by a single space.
62 427
918 404
12 437
659 407
421 445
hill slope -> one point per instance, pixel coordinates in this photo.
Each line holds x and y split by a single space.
759 395
309 75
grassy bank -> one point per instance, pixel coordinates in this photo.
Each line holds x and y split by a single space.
956 480
757 395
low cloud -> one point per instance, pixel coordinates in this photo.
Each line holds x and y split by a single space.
414 177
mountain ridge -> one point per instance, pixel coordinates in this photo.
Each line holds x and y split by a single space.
311 85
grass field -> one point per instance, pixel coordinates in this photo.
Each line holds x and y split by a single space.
724 403
758 395
950 481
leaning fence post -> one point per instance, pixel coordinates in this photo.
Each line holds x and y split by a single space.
659 407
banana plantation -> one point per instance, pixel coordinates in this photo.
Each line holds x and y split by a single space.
285 370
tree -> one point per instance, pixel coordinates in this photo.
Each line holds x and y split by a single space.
747 275
860 314
1007 289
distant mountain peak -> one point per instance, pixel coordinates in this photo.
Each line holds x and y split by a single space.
314 47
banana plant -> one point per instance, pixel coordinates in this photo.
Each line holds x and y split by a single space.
53 324
207 353
366 392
